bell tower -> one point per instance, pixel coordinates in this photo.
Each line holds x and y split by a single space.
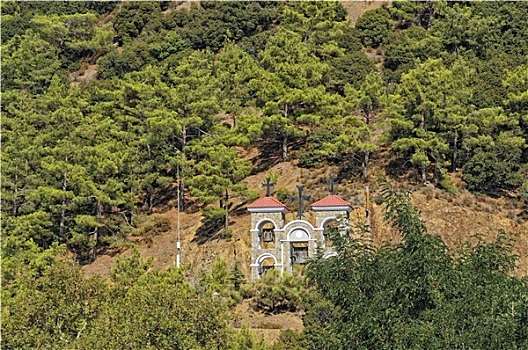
267 221
328 213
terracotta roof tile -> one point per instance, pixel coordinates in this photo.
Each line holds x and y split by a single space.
331 201
266 202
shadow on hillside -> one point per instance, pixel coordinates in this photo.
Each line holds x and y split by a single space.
270 155
239 210
349 169
210 229
166 198
111 251
398 169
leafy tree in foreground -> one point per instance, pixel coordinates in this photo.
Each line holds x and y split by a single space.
418 293
51 305
51 310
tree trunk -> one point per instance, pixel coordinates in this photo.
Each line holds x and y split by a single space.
365 165
226 217
62 226
284 147
96 231
454 156
150 199
127 217
15 201
424 173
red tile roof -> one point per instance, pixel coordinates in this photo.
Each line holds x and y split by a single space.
331 201
266 202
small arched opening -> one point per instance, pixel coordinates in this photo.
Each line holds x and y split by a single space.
265 262
329 226
266 234
329 255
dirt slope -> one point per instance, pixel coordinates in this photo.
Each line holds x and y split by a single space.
356 9
454 217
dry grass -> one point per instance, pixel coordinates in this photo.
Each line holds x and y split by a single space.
456 218
356 9
265 326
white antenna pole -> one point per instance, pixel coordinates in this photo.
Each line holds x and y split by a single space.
178 246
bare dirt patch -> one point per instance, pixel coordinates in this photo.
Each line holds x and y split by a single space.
86 74
356 9
265 326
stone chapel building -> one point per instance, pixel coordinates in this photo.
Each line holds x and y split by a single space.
278 244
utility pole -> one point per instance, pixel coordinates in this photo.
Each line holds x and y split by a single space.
178 245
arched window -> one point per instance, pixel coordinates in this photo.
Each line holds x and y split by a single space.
329 226
267 235
266 263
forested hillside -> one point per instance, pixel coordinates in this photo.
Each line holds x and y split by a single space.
111 108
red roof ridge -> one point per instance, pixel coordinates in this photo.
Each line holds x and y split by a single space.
266 202
331 201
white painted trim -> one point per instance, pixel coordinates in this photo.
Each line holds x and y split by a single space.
339 208
264 256
309 240
297 222
263 221
282 258
330 218
300 229
268 210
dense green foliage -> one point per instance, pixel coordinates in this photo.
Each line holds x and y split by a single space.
145 309
108 106
181 87
416 294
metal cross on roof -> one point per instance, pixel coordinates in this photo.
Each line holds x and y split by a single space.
268 186
331 183
300 199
